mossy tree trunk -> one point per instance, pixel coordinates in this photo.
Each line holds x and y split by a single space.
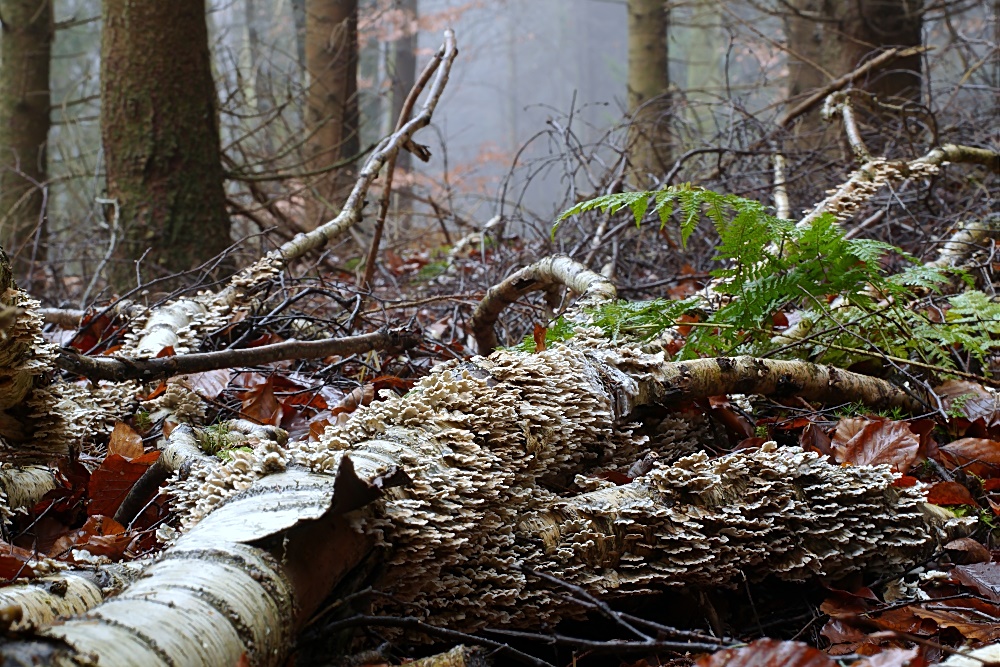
332 104
160 130
25 53
648 79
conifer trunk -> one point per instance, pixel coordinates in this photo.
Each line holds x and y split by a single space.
160 131
25 53
332 107
648 79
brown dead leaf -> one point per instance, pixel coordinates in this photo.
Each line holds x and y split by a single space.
260 404
867 442
966 550
978 456
539 335
113 479
984 577
125 442
968 399
814 439
208 384
362 395
950 493
970 624
768 653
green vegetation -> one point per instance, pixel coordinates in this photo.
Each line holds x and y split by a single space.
851 307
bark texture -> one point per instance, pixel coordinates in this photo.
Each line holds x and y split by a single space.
648 81
332 102
404 68
160 132
25 53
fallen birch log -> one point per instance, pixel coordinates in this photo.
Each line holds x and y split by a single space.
472 481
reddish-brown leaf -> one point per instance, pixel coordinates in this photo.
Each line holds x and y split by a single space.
950 493
966 551
539 335
768 653
14 567
111 482
208 384
971 626
984 577
125 442
736 424
978 456
968 399
865 442
362 395
260 404
905 481
814 439
167 351
160 388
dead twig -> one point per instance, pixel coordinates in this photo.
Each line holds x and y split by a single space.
543 274
121 369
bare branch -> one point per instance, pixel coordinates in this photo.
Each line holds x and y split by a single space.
545 273
120 369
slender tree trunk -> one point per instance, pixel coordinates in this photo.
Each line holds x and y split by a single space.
648 79
704 49
25 53
332 111
299 19
160 130
404 68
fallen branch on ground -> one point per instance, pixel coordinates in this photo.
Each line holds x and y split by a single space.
556 270
121 369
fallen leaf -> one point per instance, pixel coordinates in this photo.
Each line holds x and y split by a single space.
977 456
113 479
125 442
968 399
260 405
969 551
813 438
539 336
866 442
984 577
950 493
362 395
208 384
167 351
768 653
970 625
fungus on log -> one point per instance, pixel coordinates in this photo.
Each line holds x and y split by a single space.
467 485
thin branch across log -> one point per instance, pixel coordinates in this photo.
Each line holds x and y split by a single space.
121 369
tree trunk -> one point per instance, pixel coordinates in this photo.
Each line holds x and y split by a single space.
869 26
704 51
332 111
160 131
404 69
25 53
804 32
648 79
830 38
